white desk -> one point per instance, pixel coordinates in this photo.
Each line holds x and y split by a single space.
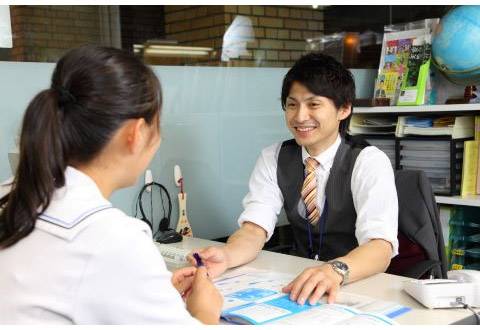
381 286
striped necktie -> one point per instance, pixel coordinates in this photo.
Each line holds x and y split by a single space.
309 191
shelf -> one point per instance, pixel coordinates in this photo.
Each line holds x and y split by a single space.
458 200
440 108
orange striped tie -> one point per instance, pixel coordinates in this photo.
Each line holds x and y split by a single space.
309 191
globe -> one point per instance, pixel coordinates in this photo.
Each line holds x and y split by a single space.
456 45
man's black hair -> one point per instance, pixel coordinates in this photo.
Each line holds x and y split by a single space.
322 75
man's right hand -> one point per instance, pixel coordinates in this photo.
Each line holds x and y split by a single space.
215 258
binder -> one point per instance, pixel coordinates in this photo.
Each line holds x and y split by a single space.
470 165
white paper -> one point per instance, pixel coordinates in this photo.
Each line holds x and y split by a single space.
5 28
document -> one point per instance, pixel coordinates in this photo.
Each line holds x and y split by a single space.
255 297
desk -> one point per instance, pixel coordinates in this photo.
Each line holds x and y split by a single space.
381 286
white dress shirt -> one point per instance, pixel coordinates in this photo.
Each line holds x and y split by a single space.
87 263
373 191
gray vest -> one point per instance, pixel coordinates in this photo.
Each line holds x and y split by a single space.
338 221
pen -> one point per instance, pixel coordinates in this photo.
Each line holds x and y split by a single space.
198 259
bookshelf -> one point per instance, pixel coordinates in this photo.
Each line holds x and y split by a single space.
419 109
459 200
452 109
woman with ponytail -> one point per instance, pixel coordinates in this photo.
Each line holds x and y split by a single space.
67 255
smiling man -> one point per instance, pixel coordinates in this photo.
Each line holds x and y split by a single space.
339 195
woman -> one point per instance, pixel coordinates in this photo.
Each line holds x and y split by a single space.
68 256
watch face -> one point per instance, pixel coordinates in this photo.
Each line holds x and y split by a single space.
341 265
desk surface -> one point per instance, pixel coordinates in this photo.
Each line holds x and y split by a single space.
381 286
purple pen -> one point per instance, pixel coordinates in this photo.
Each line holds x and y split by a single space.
198 259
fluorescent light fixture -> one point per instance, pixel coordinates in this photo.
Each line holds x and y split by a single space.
5 28
173 51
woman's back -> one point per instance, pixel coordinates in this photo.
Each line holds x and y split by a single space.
87 262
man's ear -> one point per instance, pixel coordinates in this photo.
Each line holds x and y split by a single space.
344 111
134 134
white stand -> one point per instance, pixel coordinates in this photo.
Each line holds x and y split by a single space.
183 226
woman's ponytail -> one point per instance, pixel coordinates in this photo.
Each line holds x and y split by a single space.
40 170
94 90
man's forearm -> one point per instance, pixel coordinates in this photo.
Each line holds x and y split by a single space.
368 259
245 244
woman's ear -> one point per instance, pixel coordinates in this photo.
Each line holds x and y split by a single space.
135 134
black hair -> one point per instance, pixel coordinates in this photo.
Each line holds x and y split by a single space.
324 76
93 91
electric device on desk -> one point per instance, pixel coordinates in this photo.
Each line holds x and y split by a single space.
461 289
174 257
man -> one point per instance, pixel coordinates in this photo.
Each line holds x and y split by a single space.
339 196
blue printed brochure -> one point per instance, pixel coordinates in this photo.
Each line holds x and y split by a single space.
256 298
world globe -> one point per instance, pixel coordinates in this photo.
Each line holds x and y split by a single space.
456 45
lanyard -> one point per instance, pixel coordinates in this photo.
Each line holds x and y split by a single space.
321 225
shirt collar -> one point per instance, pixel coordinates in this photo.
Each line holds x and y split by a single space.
326 157
75 201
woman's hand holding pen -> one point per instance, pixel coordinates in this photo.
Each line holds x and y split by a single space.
203 300
182 280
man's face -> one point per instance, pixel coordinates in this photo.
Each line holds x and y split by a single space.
312 119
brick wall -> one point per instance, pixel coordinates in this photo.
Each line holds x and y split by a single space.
141 23
280 31
45 33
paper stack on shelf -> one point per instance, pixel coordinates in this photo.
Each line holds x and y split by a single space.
460 127
368 125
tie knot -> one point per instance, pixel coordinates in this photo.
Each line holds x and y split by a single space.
311 164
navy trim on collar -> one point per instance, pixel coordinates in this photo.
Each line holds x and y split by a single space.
69 225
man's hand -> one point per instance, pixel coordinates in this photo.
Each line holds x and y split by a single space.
182 280
313 283
215 258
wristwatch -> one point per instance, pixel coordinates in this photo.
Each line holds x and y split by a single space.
340 268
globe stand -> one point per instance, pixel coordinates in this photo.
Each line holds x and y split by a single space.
470 93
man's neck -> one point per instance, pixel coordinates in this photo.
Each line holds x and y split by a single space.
316 150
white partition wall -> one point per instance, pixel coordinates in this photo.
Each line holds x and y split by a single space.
215 122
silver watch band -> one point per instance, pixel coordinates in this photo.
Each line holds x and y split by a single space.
340 268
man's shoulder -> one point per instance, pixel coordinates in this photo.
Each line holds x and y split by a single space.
371 154
272 150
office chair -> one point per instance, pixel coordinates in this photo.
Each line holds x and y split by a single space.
421 245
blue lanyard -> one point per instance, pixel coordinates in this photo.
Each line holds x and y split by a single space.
321 224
